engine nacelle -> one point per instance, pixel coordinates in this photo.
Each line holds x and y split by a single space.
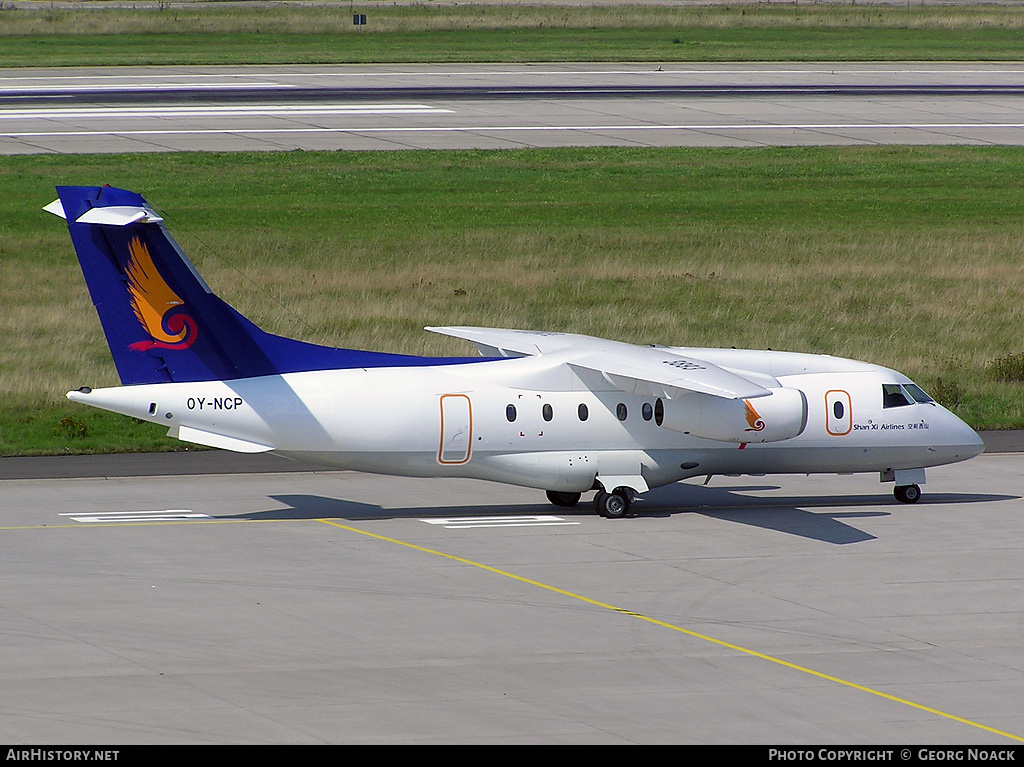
781 415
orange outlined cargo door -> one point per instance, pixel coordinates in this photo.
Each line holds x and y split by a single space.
456 429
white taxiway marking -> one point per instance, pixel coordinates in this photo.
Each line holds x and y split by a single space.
536 520
164 515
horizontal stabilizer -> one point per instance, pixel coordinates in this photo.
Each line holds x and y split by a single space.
119 215
56 209
112 215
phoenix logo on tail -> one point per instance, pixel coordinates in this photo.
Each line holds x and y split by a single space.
151 299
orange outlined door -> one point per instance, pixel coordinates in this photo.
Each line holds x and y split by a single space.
456 429
838 412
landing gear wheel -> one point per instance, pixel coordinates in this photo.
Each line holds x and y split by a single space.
566 500
613 505
907 493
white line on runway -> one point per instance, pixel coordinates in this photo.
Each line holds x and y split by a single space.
31 89
529 128
286 110
538 520
164 515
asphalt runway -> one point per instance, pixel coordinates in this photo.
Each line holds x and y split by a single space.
337 607
507 106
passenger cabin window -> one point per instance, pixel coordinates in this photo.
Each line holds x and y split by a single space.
582 411
894 396
621 412
510 413
647 411
659 411
547 412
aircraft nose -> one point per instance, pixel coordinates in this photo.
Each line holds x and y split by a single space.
962 441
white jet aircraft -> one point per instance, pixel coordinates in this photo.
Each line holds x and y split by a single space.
559 412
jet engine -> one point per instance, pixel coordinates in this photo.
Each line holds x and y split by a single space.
778 416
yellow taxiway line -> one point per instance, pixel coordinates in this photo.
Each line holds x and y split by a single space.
681 630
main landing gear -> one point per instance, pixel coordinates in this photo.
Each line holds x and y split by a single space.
613 505
907 493
565 500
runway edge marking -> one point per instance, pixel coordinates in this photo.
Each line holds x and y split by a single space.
680 629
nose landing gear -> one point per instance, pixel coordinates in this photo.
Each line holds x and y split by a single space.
907 493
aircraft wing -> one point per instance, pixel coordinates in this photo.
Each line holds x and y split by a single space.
622 366
499 342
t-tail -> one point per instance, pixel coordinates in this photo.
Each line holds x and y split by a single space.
161 320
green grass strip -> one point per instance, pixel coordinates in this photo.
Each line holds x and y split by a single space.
906 256
232 33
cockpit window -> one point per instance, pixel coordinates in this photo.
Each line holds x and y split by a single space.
897 395
917 393
894 396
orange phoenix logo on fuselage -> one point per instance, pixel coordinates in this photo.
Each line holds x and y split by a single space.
151 299
753 418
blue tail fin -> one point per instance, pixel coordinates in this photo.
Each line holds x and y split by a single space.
162 322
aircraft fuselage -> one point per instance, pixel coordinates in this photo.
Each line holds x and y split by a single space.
531 422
